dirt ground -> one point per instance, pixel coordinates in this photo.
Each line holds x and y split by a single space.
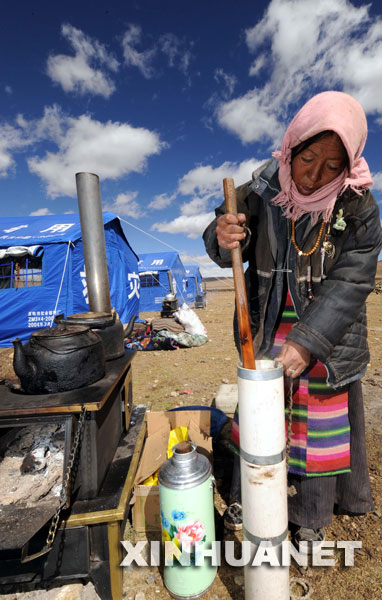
160 380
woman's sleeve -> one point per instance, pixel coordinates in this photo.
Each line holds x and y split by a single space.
219 255
344 291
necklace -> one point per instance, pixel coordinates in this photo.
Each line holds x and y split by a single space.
312 251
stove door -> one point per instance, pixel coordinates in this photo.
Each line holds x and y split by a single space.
26 503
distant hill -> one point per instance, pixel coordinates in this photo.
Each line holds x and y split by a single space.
378 275
217 278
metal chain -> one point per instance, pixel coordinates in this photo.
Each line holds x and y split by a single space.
291 489
66 483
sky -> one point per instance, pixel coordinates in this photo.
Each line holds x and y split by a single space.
163 99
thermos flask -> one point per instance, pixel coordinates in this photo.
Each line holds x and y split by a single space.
187 517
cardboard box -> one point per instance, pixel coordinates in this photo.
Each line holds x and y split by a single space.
145 500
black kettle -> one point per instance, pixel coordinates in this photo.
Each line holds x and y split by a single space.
106 325
59 359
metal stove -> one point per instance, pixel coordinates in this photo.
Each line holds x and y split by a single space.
83 538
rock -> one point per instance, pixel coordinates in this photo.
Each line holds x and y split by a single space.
225 380
173 394
72 591
140 596
150 579
89 592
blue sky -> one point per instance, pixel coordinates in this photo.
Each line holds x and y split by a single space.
163 99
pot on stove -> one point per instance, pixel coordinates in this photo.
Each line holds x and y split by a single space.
59 359
107 325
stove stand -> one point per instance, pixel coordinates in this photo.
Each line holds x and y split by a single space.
87 544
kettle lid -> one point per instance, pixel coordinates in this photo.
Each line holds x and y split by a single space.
62 330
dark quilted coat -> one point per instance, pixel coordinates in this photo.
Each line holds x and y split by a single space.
332 326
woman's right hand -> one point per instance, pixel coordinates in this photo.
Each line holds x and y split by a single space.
230 230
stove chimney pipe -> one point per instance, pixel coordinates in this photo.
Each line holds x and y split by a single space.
93 239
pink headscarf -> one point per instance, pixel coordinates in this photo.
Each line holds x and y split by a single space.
334 111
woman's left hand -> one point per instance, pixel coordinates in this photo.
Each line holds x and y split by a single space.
294 358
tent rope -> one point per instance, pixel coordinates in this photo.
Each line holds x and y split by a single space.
168 245
149 234
61 283
158 240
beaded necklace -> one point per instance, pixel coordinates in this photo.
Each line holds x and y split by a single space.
312 251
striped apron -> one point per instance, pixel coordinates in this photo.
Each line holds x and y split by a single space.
320 438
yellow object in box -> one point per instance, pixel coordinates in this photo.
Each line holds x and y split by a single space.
179 434
152 480
145 500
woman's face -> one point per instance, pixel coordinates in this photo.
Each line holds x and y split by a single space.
318 164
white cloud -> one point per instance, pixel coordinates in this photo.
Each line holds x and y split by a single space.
257 65
133 58
41 212
51 126
204 184
192 226
377 180
178 55
12 139
85 72
251 118
161 201
175 49
304 46
226 85
229 82
193 207
8 89
110 149
208 181
126 205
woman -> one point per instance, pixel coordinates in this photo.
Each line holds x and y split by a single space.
310 231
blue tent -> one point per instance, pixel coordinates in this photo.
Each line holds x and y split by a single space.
42 272
194 282
160 273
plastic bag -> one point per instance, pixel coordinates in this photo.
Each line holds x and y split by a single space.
190 320
152 480
179 434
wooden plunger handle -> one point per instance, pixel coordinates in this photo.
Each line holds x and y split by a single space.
247 353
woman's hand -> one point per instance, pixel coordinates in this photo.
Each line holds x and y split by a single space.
294 358
230 230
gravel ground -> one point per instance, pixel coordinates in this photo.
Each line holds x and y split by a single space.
160 380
